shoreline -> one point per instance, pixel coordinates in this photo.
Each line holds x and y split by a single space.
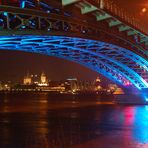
125 99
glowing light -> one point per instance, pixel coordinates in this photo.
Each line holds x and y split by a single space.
5 13
140 133
146 107
42 84
127 83
129 115
144 10
23 4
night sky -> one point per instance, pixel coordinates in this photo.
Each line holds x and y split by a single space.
14 65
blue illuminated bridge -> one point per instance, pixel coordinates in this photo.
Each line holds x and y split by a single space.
95 33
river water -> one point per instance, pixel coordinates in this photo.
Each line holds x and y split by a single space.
44 121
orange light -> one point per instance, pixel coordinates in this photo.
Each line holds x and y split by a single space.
144 10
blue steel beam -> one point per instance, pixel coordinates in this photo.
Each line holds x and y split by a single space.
73 46
121 67
29 21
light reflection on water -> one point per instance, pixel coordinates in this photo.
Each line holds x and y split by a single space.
40 120
140 131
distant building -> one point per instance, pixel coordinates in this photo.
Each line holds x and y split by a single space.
119 91
35 79
97 84
59 89
43 80
27 79
1 88
98 80
115 89
72 83
5 86
112 87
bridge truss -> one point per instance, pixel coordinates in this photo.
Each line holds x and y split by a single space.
54 32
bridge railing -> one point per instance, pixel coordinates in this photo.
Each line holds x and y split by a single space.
103 4
112 7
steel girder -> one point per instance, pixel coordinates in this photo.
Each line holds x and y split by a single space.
17 21
115 16
114 62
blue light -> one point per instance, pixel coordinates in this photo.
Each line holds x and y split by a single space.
5 14
23 4
23 26
146 107
1 20
48 11
140 126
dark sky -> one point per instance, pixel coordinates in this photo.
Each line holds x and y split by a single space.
13 65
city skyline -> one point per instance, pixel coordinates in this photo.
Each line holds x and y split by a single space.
36 63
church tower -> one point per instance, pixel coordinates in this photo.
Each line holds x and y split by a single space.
43 78
27 79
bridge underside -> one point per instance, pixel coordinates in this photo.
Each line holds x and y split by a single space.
118 64
88 32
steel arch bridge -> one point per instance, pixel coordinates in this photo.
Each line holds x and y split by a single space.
92 33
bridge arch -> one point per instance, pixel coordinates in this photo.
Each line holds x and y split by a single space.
121 58
97 55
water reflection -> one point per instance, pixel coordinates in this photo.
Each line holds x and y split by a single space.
140 131
38 121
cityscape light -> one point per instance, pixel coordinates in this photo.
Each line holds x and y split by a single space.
144 10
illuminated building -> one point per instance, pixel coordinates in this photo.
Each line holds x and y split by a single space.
1 88
115 89
73 84
35 79
43 80
27 79
98 79
51 89
97 84
118 91
112 87
5 86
